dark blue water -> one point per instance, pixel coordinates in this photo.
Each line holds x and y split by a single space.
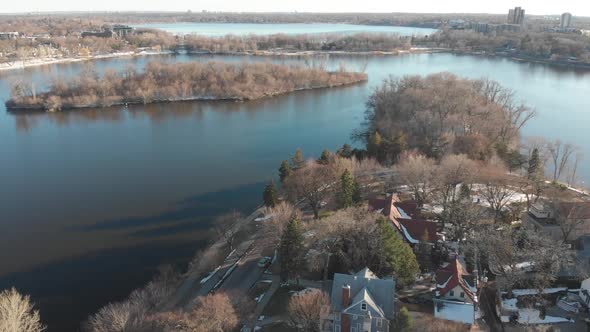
92 201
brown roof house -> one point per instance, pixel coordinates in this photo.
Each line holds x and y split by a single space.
456 293
406 218
360 302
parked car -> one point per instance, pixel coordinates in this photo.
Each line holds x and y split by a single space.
264 262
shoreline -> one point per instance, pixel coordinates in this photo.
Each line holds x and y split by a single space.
41 108
525 59
23 64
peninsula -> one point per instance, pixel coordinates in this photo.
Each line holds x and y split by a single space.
163 82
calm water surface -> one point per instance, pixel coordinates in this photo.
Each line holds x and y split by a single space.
221 29
93 201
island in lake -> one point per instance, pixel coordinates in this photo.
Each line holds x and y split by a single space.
163 82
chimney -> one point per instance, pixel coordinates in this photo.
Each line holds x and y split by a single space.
345 296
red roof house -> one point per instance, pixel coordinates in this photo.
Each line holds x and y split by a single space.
405 216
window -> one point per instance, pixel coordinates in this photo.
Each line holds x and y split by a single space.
379 322
354 317
337 328
363 306
452 293
462 295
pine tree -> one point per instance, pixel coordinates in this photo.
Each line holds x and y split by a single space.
346 189
534 164
397 253
270 194
464 192
324 158
298 161
285 170
291 251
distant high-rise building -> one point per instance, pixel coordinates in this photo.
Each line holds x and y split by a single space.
516 16
566 20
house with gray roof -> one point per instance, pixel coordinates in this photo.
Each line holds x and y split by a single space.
360 302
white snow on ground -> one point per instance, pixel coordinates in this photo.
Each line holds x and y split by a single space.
455 311
305 291
211 274
520 292
531 316
510 304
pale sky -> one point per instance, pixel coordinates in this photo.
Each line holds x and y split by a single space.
537 7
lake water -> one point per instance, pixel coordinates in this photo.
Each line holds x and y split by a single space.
221 29
93 201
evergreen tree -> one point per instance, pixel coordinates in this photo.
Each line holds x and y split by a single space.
324 158
534 164
291 251
345 151
397 253
347 187
270 194
464 192
298 161
404 322
285 170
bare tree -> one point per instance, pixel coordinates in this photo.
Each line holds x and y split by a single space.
560 154
227 226
570 216
279 216
304 310
495 189
211 313
514 254
417 172
17 313
311 183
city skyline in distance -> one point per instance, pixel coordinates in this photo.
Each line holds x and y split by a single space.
576 7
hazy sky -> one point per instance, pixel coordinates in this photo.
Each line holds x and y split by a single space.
577 7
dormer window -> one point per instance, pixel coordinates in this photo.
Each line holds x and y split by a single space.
363 306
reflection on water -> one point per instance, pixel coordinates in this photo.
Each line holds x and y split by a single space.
78 186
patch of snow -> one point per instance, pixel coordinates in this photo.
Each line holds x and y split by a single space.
455 311
521 292
510 304
305 291
408 236
210 275
531 316
265 218
445 284
403 213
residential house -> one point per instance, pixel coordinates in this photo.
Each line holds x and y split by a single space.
122 31
406 217
561 220
360 303
456 293
8 35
